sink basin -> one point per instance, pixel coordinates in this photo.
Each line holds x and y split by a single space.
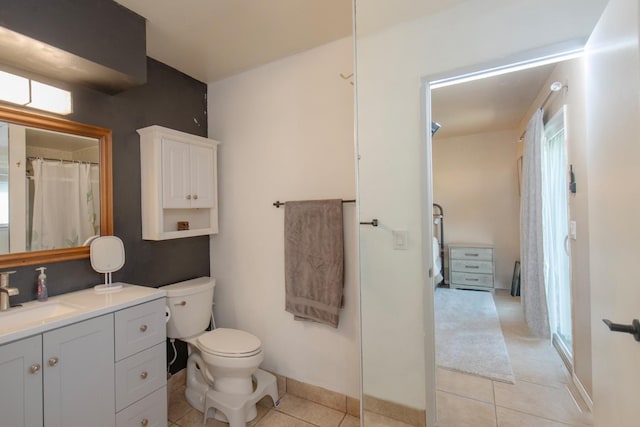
34 314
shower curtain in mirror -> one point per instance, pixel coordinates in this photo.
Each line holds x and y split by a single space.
534 297
63 205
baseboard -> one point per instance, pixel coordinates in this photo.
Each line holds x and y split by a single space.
582 391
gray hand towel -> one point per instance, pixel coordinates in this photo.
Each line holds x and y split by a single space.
314 260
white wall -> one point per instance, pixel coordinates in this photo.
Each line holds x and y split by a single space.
396 312
287 134
475 181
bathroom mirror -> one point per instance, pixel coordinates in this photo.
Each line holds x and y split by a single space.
55 188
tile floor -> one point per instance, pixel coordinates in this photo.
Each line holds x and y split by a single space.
292 412
540 397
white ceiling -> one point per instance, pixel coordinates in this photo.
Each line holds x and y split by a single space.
210 40
494 103
214 39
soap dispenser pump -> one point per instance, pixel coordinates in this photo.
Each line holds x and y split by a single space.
43 294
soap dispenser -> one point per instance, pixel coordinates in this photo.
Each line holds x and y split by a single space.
43 294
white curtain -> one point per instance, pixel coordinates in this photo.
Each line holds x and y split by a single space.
63 205
534 299
555 218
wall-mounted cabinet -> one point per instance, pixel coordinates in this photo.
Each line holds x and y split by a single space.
179 184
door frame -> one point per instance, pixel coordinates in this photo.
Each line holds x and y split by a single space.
527 59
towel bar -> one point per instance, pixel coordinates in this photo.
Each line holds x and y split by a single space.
278 203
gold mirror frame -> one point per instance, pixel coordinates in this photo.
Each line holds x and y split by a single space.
35 120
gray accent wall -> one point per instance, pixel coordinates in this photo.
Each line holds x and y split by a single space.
171 99
100 32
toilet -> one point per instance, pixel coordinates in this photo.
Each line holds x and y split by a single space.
222 368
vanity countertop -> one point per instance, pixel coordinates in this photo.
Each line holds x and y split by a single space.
35 317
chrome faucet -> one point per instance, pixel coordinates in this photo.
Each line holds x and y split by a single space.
5 290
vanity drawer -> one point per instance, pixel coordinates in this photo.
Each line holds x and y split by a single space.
148 412
139 327
469 266
140 374
467 253
471 279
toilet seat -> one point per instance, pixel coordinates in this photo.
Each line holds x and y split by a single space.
233 343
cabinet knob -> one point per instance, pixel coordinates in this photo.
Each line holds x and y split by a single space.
53 361
143 328
35 368
144 422
195 196
144 375
188 196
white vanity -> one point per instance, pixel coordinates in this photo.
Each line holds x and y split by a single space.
85 359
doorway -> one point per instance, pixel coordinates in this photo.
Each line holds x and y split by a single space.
476 182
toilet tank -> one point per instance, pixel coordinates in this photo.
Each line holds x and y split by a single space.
189 303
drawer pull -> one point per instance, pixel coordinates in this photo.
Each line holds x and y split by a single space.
182 303
195 197
53 361
472 280
188 196
143 328
471 254
144 375
144 422
471 266
35 368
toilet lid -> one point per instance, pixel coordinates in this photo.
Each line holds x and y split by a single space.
229 343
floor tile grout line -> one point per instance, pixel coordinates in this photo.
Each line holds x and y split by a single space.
546 418
466 397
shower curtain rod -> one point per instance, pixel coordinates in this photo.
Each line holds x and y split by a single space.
544 103
60 160
278 203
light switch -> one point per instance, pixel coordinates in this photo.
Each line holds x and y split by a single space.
400 238
572 230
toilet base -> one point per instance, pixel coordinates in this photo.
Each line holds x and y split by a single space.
238 409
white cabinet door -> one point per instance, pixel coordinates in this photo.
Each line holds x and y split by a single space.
21 380
202 178
176 187
78 361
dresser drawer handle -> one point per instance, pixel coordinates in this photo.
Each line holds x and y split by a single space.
144 375
182 303
472 280
471 266
471 254
143 328
35 368
144 422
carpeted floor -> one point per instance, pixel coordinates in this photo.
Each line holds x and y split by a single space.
468 335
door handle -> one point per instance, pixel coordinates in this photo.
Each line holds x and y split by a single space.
373 222
633 328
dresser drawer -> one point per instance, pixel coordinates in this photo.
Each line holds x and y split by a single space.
139 327
140 374
469 266
478 254
471 279
148 412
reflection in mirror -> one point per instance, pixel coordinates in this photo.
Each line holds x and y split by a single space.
55 187
61 190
